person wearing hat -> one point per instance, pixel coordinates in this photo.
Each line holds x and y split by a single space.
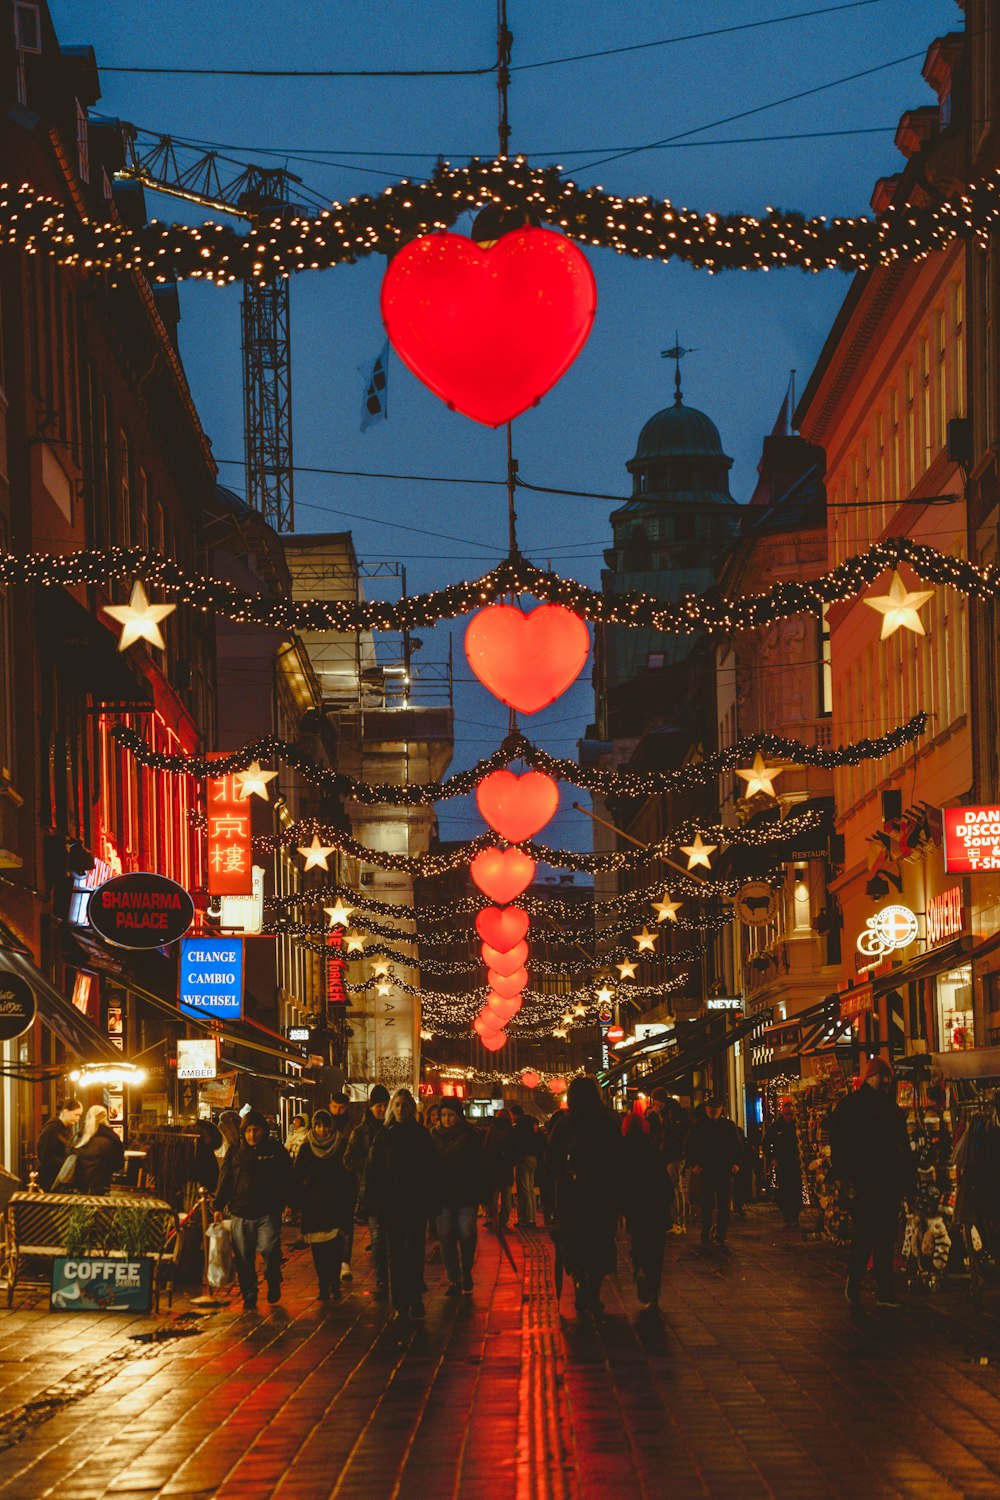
356 1158
713 1151
870 1152
325 1194
464 1184
254 1186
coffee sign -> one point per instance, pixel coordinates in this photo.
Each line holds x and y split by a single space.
141 910
17 1006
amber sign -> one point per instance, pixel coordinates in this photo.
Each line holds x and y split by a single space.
141 910
230 866
971 839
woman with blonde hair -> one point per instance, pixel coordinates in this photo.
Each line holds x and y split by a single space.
99 1153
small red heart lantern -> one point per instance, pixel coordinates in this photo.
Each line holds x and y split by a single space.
557 1085
508 985
517 806
502 928
489 330
502 874
494 1041
529 1079
527 659
504 963
497 1005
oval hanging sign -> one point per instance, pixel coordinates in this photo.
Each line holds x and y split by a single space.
141 910
17 1006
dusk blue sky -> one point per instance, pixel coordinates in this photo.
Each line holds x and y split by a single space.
748 330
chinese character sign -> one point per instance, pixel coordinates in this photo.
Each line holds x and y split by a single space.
230 868
971 839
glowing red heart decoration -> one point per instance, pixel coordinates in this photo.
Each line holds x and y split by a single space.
529 1079
527 659
504 963
486 1024
489 331
502 874
517 806
494 1041
497 1005
502 929
557 1085
508 985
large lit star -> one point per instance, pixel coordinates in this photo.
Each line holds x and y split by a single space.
899 607
604 996
626 968
645 940
666 910
698 852
355 942
760 777
380 968
383 988
316 854
253 782
140 620
340 914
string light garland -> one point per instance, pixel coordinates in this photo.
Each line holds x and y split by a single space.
516 747
552 938
568 913
303 933
643 227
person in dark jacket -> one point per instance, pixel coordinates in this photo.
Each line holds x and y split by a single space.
525 1164
870 1151
324 1191
401 1191
99 1153
356 1158
339 1113
583 1171
713 1151
500 1150
781 1146
647 1200
55 1139
254 1185
463 1185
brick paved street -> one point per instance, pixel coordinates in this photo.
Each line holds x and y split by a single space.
761 1381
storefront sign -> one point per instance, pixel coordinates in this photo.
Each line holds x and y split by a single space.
244 913
99 1284
230 868
724 1002
298 1033
856 1003
212 976
17 1006
335 966
616 1034
891 928
141 910
945 916
196 1058
971 839
756 903
219 1092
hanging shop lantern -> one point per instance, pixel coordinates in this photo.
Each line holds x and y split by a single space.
489 331
508 985
517 807
502 874
502 928
504 963
527 658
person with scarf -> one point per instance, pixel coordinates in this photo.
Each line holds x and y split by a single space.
359 1149
324 1191
401 1192
464 1184
254 1186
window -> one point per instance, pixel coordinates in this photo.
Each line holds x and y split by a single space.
941 377
142 511
958 345
927 434
82 143
28 26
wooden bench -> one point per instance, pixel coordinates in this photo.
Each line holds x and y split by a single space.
36 1225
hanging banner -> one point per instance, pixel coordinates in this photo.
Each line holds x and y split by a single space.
335 966
230 866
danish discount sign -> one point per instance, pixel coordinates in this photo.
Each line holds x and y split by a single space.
971 839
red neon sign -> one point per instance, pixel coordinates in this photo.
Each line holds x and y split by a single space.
971 839
230 865
335 966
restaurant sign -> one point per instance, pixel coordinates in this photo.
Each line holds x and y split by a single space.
17 1006
95 1283
140 910
971 839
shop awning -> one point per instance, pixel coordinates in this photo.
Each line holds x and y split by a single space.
699 1050
88 653
682 1033
969 1063
934 961
75 1030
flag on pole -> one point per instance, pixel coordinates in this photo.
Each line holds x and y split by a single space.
375 406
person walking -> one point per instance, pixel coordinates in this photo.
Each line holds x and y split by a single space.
54 1141
356 1157
525 1166
781 1148
870 1152
668 1127
583 1171
647 1200
463 1185
325 1193
500 1149
297 1132
401 1192
99 1153
713 1152
342 1126
254 1185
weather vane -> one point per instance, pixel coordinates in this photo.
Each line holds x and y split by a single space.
677 353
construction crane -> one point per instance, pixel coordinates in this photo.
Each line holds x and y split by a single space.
259 194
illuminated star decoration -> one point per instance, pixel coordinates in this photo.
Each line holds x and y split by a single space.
316 854
253 782
666 910
698 852
604 995
339 915
384 989
355 942
140 620
899 608
626 968
759 778
380 969
645 939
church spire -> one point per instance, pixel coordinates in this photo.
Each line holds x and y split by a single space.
677 353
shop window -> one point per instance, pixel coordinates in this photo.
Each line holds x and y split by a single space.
954 1009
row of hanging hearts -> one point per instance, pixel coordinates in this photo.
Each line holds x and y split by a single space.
527 659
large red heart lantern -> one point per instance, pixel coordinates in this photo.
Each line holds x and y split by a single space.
502 928
489 331
486 1023
504 963
502 874
517 806
494 1041
507 985
503 1006
527 659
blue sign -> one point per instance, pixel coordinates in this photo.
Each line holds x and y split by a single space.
212 977
97 1283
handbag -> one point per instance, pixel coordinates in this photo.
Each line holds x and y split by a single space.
66 1172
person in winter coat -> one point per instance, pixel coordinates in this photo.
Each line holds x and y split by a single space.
525 1164
99 1153
583 1172
324 1191
297 1132
500 1150
356 1157
781 1146
340 1115
254 1185
714 1151
647 1199
870 1151
401 1191
463 1185
54 1141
